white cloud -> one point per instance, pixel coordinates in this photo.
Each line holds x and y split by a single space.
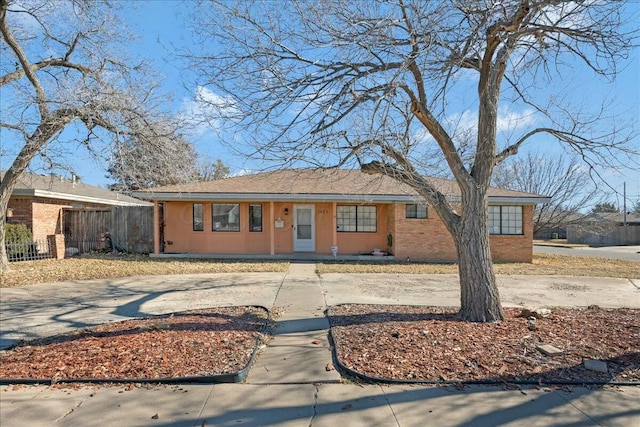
207 111
508 121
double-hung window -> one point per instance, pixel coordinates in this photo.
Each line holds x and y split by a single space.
416 211
360 219
505 220
225 217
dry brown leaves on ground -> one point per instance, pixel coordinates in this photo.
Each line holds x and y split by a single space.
196 343
430 343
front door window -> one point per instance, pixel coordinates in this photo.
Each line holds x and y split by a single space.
304 230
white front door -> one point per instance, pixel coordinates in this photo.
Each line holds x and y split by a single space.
304 233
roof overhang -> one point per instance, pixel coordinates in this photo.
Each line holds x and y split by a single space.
363 198
22 192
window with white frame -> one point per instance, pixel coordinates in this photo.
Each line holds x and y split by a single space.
225 217
415 211
358 219
505 220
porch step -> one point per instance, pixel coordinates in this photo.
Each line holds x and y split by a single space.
299 352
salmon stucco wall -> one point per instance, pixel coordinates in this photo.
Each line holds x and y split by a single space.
180 237
364 243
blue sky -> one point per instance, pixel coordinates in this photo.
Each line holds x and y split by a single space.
160 25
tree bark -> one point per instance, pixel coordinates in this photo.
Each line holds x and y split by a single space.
479 296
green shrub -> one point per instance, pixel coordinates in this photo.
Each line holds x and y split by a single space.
17 232
18 240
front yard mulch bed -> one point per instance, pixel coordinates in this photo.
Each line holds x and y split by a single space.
201 343
417 343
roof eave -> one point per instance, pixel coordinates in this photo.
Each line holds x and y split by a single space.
268 197
75 198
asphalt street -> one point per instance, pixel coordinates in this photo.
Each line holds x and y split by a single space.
626 253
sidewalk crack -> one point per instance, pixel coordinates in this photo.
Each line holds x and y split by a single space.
315 404
70 411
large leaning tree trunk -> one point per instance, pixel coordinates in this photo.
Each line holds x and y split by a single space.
479 299
412 88
55 78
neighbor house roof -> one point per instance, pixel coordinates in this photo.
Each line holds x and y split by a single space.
301 185
74 191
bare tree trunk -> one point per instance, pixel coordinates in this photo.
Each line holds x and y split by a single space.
4 260
479 299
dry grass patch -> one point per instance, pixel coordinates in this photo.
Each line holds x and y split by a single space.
543 264
109 266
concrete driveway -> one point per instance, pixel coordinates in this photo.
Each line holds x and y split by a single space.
43 310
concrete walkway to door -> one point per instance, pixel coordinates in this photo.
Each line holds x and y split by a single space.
299 352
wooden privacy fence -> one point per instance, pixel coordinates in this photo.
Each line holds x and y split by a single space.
127 229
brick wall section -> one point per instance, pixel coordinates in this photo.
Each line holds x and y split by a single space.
22 212
421 239
57 246
47 217
429 240
42 216
515 248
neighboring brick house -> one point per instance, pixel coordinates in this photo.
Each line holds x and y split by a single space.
311 211
37 201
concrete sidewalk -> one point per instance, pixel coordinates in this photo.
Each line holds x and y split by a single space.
316 405
289 384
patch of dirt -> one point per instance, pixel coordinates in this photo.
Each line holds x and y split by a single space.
195 343
431 343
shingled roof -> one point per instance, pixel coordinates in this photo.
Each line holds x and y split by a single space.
317 185
56 187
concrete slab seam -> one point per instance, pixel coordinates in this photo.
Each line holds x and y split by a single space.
386 399
595 422
199 420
